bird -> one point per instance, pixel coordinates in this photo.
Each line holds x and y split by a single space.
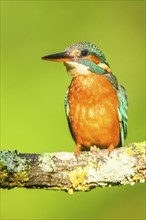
95 103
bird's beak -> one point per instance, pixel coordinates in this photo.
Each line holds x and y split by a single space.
58 57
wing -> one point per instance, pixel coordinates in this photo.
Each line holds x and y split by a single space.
123 105
122 111
66 105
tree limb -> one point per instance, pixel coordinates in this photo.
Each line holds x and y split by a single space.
63 171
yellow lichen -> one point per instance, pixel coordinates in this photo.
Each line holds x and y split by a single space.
141 149
20 178
67 189
16 179
70 191
137 178
129 151
78 178
3 176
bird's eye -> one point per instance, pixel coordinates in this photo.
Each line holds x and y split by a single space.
84 53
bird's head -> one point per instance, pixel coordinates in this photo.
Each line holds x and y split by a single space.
82 58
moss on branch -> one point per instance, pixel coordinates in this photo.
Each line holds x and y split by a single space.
63 171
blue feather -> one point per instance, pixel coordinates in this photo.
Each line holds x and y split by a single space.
123 104
122 111
66 105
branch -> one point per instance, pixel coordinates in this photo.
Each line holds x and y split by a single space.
63 171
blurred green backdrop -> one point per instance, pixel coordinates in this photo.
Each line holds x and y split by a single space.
32 95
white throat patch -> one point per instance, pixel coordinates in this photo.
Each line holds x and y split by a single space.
74 68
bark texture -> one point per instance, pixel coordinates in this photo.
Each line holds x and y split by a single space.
64 171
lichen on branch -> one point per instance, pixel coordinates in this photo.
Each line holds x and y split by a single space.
64 171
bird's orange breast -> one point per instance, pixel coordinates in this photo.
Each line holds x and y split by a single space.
93 114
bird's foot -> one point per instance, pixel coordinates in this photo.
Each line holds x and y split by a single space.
77 150
110 149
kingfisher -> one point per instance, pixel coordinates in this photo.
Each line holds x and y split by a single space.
95 103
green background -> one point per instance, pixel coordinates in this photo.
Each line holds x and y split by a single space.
32 95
